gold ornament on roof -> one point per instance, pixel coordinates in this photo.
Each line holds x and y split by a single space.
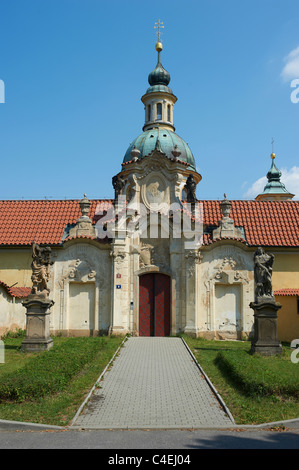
158 26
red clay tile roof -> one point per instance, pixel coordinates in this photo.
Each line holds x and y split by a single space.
293 292
14 291
265 223
42 221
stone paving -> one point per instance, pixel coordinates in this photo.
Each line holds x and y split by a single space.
153 383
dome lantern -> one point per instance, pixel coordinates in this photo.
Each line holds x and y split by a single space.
159 100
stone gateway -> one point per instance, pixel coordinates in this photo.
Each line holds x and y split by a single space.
156 259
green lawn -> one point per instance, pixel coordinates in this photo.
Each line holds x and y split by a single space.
256 389
49 387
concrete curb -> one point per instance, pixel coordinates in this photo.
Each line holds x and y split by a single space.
98 380
23 426
20 426
218 396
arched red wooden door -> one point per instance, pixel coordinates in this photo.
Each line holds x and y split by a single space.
154 305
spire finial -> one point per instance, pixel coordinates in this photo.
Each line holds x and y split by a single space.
158 25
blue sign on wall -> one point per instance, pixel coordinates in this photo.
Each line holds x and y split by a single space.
118 286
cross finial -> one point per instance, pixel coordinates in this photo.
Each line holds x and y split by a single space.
272 154
158 26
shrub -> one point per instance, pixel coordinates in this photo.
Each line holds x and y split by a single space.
260 376
50 371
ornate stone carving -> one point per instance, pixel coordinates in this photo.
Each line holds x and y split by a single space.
84 224
154 191
227 261
193 257
226 224
226 207
40 270
118 256
135 154
146 255
79 270
176 153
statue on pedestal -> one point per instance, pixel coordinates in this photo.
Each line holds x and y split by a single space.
265 340
37 303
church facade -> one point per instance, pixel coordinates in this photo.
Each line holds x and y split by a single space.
155 260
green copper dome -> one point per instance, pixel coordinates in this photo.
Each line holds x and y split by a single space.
274 185
168 141
159 76
159 79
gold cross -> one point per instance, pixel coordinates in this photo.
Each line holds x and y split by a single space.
159 25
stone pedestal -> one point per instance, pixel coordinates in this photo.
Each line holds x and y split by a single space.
37 324
265 341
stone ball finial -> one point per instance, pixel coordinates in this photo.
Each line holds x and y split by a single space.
135 153
176 153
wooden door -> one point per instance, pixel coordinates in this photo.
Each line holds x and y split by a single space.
154 305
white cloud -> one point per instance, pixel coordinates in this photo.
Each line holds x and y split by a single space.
256 188
291 68
290 178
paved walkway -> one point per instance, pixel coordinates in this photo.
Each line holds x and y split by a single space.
153 383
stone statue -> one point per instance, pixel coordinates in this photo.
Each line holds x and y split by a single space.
265 340
40 270
190 187
263 265
118 183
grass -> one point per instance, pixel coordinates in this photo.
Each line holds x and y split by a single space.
256 389
48 387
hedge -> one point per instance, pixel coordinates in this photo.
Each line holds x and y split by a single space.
260 376
50 371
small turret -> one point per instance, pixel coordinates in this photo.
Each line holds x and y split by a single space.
159 100
274 190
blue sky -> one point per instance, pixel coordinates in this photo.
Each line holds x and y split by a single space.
75 70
